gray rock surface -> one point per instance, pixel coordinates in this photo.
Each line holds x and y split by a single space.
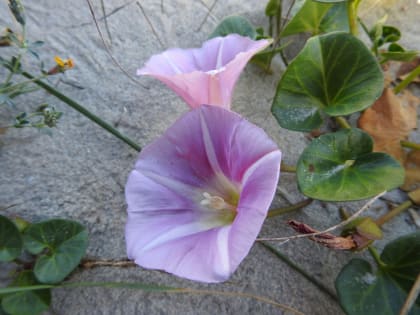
80 171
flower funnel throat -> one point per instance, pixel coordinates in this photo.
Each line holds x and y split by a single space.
199 194
205 75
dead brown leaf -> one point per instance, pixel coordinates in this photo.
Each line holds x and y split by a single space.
2 130
325 239
412 171
387 69
390 120
407 67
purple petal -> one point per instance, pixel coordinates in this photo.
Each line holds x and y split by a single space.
205 75
208 150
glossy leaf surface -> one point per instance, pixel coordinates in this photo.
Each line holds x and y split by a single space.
362 291
334 74
60 244
26 302
235 25
10 240
341 166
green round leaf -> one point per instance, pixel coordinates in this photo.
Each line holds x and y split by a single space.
235 25
334 74
361 291
307 19
336 19
398 53
10 240
273 7
341 166
26 302
402 258
318 17
389 34
62 243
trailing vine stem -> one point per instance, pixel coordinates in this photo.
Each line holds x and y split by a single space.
81 109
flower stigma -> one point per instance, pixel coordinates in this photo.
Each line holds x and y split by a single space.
225 211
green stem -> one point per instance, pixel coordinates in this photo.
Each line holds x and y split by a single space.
278 19
409 144
19 57
149 288
142 286
270 26
287 168
297 268
352 16
12 87
274 50
11 73
84 112
283 58
374 253
296 206
394 212
410 77
342 122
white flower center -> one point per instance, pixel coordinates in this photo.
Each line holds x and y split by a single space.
215 202
216 71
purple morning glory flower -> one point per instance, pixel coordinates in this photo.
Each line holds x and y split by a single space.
198 195
205 75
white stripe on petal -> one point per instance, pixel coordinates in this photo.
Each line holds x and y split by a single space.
208 145
219 62
257 163
175 185
181 231
223 266
173 65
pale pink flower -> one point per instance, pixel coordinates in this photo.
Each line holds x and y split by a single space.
205 75
199 194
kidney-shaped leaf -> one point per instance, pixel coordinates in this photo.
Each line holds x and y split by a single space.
10 240
334 74
61 245
398 53
341 166
235 25
361 291
336 19
26 302
273 7
307 19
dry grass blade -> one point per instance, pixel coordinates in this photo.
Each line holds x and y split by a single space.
150 24
207 15
92 12
412 296
241 294
106 21
351 218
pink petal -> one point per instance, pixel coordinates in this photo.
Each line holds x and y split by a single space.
206 150
205 75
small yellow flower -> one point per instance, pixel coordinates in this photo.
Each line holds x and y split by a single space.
64 64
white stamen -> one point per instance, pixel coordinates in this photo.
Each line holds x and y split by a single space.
214 202
216 71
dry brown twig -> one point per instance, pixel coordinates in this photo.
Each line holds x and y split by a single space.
92 12
411 298
209 12
342 223
150 24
